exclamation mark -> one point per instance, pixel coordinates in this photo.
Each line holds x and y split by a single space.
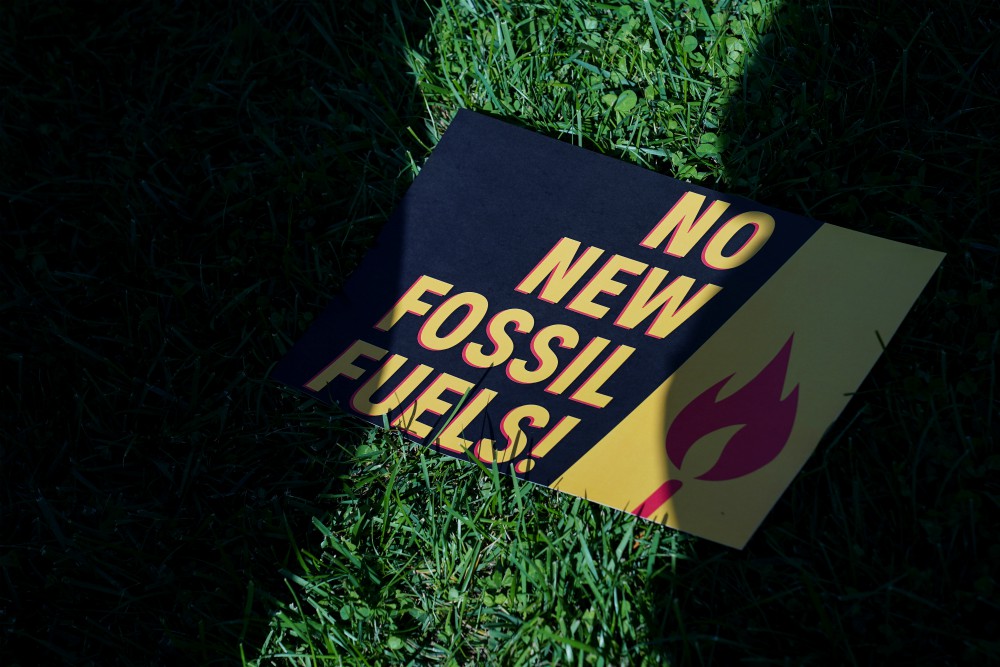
545 445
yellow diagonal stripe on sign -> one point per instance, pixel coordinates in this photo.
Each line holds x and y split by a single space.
837 294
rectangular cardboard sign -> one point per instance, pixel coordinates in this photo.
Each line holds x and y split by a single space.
605 330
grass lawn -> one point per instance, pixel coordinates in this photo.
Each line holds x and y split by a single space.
183 187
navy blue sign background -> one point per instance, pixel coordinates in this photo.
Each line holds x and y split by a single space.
489 204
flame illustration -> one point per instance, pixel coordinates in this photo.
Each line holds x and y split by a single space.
765 421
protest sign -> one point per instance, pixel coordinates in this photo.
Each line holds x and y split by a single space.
607 331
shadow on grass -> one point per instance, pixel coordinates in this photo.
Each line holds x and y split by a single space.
881 118
182 189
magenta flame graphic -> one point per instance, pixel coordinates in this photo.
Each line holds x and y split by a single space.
766 422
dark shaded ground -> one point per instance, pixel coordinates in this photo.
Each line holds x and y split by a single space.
880 117
179 187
